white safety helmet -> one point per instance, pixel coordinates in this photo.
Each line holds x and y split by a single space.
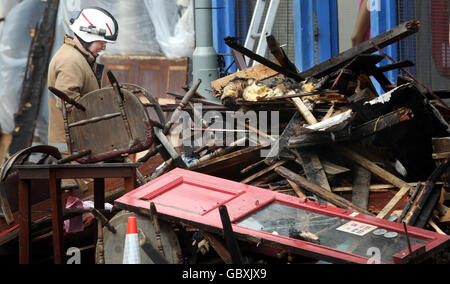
94 24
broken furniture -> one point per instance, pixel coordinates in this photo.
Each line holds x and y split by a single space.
341 131
265 221
108 123
54 174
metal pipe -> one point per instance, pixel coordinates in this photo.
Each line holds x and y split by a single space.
204 58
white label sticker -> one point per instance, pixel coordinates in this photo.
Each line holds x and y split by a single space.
356 228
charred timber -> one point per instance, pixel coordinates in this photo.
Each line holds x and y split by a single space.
232 42
364 130
385 39
33 85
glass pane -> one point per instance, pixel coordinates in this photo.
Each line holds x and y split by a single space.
337 233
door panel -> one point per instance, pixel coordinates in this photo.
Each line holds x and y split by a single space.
156 74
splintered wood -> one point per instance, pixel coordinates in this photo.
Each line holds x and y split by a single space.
327 115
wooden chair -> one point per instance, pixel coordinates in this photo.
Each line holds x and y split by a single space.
106 124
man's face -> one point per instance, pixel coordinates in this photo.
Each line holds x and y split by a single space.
97 46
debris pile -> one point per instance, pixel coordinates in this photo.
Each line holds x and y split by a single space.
325 135
339 141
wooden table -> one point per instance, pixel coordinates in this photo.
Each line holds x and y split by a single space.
54 174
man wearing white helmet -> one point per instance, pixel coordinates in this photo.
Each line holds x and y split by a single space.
73 69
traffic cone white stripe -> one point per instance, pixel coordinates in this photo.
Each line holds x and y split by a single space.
132 251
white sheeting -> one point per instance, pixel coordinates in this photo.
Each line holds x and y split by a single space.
146 28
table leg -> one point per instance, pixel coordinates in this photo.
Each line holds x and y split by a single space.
99 193
57 218
24 222
130 182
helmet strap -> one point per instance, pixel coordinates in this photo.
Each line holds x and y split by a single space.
86 45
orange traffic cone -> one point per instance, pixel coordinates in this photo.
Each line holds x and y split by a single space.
132 252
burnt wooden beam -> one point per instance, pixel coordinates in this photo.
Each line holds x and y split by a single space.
281 143
429 207
33 85
385 39
313 168
397 65
232 244
369 128
361 186
410 75
280 54
424 194
234 44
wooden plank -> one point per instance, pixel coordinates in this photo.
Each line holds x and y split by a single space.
303 109
262 172
258 72
436 228
319 191
313 168
251 167
369 128
399 197
265 179
57 219
311 162
372 167
361 183
218 246
333 169
373 187
279 146
217 154
445 218
401 31
296 189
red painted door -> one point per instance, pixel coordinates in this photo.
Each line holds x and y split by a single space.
344 236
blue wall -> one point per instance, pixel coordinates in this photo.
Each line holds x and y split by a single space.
224 19
383 17
316 32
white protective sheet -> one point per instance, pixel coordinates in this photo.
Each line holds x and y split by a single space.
146 28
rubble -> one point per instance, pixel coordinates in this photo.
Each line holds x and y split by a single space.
347 135
335 139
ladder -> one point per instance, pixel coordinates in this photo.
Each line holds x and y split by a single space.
253 35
